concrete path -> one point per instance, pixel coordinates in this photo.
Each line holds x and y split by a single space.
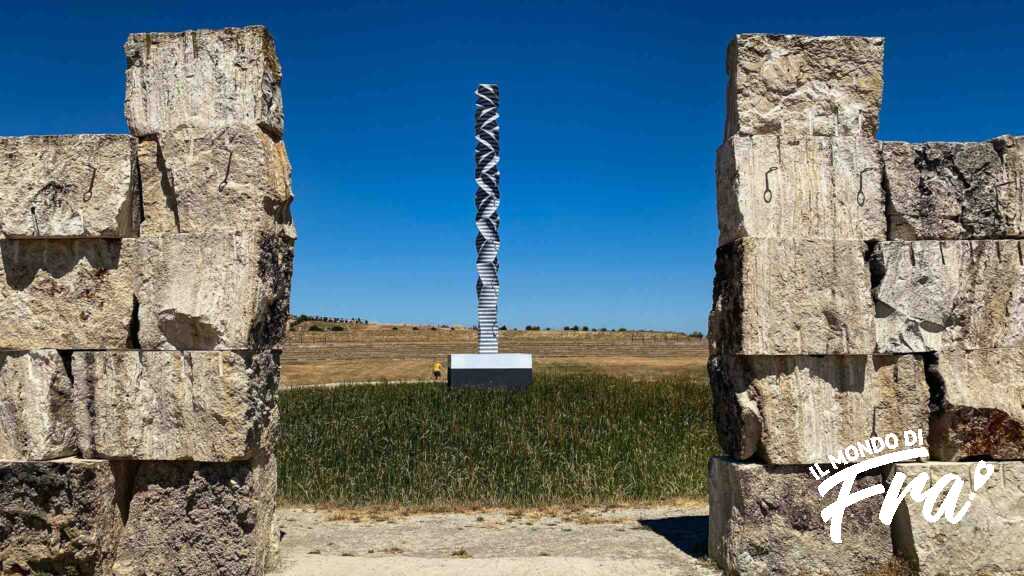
652 541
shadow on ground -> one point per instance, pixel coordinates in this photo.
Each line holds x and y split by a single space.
688 533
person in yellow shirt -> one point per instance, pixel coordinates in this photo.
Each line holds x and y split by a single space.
437 370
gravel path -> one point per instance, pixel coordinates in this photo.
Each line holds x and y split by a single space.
654 541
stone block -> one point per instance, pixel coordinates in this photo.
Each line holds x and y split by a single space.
80 186
766 520
777 296
950 191
212 291
804 85
220 180
217 518
202 406
828 188
203 79
64 294
933 295
978 402
989 539
36 417
59 517
803 409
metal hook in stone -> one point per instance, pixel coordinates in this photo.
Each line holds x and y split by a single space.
861 199
767 184
227 172
92 181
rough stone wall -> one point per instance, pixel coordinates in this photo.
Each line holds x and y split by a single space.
144 295
861 288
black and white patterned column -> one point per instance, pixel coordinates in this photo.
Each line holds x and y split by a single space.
487 199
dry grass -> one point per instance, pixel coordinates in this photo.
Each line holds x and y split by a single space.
404 369
574 513
375 352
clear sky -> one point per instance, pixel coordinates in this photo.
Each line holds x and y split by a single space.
610 116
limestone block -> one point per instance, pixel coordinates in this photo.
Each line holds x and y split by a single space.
217 518
979 404
79 186
766 520
64 294
777 296
58 517
771 186
951 190
202 406
804 85
802 409
221 180
36 419
933 295
212 291
203 79
989 538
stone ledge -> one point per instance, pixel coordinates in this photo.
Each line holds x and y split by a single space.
75 186
202 406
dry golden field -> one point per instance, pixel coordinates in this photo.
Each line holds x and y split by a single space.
377 352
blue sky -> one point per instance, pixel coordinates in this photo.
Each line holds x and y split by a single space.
611 113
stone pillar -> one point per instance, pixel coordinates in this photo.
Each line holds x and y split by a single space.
794 373
488 197
862 288
144 294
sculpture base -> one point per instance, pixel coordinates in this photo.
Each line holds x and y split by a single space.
491 371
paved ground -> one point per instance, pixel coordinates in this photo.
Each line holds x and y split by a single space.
652 541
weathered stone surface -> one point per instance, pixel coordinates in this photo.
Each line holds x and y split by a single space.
221 180
776 296
159 203
766 520
948 191
214 291
1011 152
933 295
803 409
978 406
217 518
202 406
989 538
68 187
58 517
36 418
203 79
816 187
804 85
64 294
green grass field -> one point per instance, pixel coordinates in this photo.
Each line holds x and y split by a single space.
573 439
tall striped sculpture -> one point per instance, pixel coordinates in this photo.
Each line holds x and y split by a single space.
488 368
488 197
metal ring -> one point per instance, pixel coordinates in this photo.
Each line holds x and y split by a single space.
767 185
861 198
